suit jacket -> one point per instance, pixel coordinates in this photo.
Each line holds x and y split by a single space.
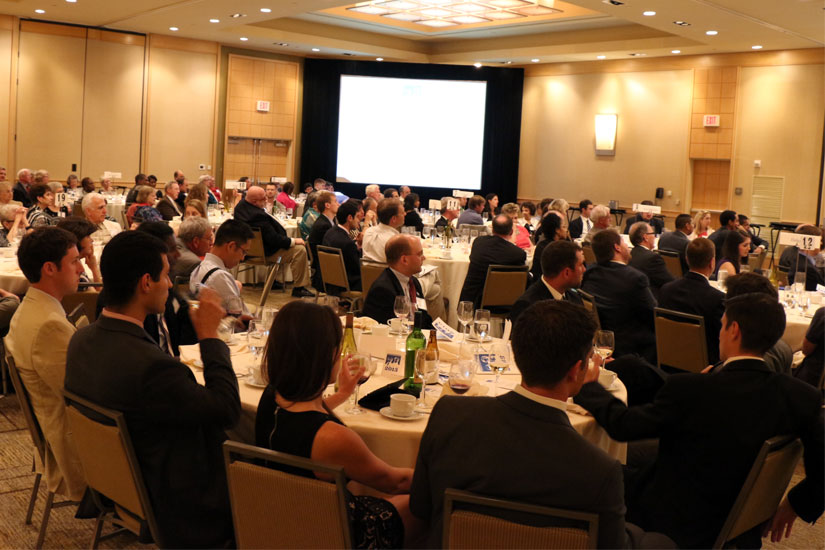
272 232
535 269
529 438
625 306
675 241
21 194
379 302
656 223
488 250
718 238
537 292
710 429
576 228
38 338
168 208
185 264
693 294
470 217
412 219
813 276
652 265
316 237
177 425
178 323
338 237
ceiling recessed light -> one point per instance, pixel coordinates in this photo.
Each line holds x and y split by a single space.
601 56
214 20
282 44
535 60
756 47
244 39
237 15
508 62
71 1
173 29
266 10
39 11
477 65
682 23
711 33
637 54
649 13
316 50
675 51
379 59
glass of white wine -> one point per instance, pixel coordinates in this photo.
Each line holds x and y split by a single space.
604 343
498 360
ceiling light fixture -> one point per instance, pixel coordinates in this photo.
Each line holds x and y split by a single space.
237 15
477 65
71 1
756 47
649 13
675 51
711 33
682 23
536 60
379 59
316 50
173 29
601 56
39 11
282 44
266 10
244 39
214 20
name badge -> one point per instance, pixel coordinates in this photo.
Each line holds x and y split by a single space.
392 364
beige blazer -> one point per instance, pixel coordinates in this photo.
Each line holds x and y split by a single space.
38 340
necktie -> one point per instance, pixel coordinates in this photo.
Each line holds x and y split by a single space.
412 295
165 341
587 225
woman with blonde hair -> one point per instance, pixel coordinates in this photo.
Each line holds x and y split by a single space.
701 225
194 207
6 194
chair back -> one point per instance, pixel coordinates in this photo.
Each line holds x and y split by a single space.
256 246
782 274
77 210
474 521
88 299
503 285
108 458
589 303
763 488
589 255
672 262
32 424
370 271
482 229
680 340
78 316
757 259
275 509
333 271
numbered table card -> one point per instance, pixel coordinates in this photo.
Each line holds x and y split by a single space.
445 331
60 199
392 365
803 242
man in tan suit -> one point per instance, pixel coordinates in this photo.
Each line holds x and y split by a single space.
38 339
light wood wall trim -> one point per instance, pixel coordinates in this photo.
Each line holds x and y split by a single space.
49 28
215 115
124 38
147 78
811 56
183 44
7 22
11 154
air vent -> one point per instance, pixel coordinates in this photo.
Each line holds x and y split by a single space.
766 199
682 23
613 2
637 54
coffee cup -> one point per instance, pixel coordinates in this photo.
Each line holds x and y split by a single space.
395 325
402 404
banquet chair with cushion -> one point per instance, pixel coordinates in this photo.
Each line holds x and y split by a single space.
334 273
370 271
111 469
256 257
41 447
763 488
756 260
589 303
78 316
680 340
589 255
475 521
88 299
502 287
672 262
275 509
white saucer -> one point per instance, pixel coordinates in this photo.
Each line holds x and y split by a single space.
253 384
387 412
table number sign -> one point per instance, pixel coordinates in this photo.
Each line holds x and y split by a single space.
649 208
392 364
445 331
803 242
465 194
60 199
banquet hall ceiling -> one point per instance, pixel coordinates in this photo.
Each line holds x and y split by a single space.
580 30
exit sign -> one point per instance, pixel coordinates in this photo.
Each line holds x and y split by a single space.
711 120
263 107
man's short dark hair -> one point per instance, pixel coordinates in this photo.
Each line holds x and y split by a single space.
726 217
141 177
475 201
637 232
410 200
128 257
584 204
388 192
699 253
761 320
158 229
397 247
38 190
78 227
44 244
233 231
349 208
387 209
742 218
682 220
749 283
604 243
548 339
557 256
502 225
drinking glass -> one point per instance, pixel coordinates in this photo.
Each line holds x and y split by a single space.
226 328
799 282
473 235
267 318
423 369
461 376
427 231
355 362
604 342
498 360
481 324
401 308
255 338
465 315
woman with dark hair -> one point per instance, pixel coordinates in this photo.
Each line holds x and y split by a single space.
44 212
735 247
310 215
550 229
491 207
83 229
411 218
293 417
285 196
528 216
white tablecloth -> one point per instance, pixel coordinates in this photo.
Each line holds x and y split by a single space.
13 280
116 211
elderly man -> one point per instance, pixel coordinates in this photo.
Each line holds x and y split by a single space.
195 239
404 190
20 193
447 214
642 257
562 268
276 243
94 208
656 223
168 206
374 192
472 216
12 219
209 182
600 216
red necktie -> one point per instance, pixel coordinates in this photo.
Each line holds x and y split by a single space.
412 295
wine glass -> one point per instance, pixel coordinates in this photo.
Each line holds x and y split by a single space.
355 362
465 315
604 342
481 324
427 230
498 361
401 308
461 376
255 338
423 369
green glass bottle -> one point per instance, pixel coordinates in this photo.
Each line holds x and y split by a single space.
415 342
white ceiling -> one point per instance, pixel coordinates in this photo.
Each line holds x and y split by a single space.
615 32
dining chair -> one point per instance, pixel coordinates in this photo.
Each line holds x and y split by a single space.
502 287
672 262
256 257
334 273
272 508
589 255
475 521
370 271
756 260
589 303
680 340
78 316
88 299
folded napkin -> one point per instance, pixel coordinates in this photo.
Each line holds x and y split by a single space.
380 398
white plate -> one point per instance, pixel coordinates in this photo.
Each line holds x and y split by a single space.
253 384
387 412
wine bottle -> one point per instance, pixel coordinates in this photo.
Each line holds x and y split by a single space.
348 346
431 356
415 342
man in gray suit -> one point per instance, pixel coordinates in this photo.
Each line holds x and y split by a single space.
195 239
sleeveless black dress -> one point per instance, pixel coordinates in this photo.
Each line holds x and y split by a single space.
374 522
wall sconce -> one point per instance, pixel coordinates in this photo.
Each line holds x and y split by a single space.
606 134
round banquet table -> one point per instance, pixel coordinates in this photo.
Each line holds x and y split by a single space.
396 442
13 280
116 209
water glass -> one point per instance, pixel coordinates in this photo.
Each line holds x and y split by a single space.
481 324
255 338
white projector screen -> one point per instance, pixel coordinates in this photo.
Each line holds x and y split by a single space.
402 131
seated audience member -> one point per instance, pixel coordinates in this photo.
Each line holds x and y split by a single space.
72 186
140 180
562 269
560 207
623 298
94 210
272 205
798 261
57 187
87 185
83 231
38 339
206 182
600 216
142 209
213 189
642 257
374 192
692 293
549 230
42 176
404 190
447 214
296 419
309 217
276 243
198 191
552 343
6 195
195 208
176 424
20 192
472 215
528 216
12 219
391 193
327 206
735 247
727 222
411 217
44 213
370 206
231 245
758 244
167 206
390 219
813 347
172 328
195 239
487 250
339 237
521 236
491 207
656 223
544 205
677 241
105 185
285 196
711 428
701 225
582 225
183 183
404 258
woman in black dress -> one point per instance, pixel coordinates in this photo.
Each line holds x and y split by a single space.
294 417
411 217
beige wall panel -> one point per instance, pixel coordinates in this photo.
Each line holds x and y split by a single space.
181 111
50 102
5 86
780 123
557 156
112 112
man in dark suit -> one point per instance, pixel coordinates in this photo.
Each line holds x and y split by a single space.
802 261
167 206
404 257
276 243
327 206
647 217
562 267
495 249
447 214
349 217
677 241
20 191
176 425
623 298
183 185
583 224
710 429
693 293
728 221
757 242
642 257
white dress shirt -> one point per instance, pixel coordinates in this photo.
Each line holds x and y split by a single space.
375 238
221 281
547 401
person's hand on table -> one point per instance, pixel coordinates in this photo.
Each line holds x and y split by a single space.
299 241
7 294
782 522
208 315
